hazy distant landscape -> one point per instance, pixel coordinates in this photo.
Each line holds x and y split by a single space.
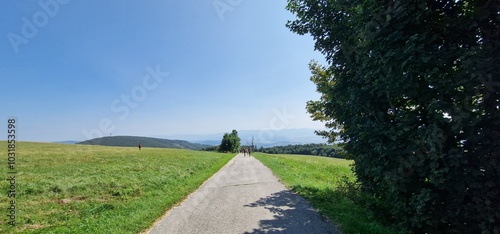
265 138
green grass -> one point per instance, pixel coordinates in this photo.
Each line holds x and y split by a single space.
96 189
319 180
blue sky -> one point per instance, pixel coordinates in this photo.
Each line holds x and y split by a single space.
72 70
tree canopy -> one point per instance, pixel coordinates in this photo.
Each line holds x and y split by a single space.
412 87
230 142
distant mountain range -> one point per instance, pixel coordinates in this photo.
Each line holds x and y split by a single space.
265 138
144 141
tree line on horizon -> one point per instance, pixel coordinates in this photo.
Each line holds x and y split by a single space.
326 150
314 149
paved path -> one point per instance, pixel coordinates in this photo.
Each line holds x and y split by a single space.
243 197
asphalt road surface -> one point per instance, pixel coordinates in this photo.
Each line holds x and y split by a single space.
243 197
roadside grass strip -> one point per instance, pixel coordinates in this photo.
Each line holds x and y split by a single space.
322 181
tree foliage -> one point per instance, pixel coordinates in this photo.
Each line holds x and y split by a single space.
230 142
412 87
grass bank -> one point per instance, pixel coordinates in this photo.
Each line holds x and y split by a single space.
96 189
319 180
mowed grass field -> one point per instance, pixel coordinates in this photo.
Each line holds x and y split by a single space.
96 189
319 180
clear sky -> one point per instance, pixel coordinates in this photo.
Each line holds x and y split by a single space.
73 70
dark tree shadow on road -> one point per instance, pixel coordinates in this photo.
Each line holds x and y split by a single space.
291 214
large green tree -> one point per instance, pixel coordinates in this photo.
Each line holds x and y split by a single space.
412 87
230 142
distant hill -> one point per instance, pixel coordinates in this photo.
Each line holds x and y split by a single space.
145 142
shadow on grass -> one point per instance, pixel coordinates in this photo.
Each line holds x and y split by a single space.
291 214
348 208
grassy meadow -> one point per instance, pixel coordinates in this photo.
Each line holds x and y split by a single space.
320 181
97 189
